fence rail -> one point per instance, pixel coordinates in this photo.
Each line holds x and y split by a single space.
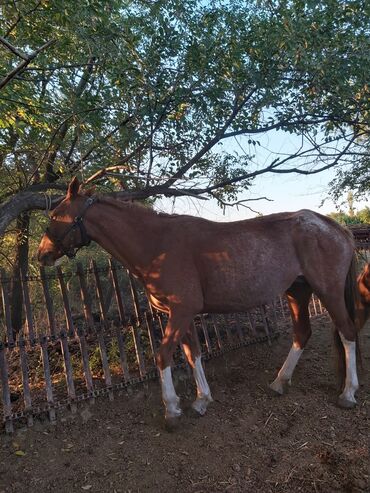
91 331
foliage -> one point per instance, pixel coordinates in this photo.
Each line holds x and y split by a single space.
360 217
152 91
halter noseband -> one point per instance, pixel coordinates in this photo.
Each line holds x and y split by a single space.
77 223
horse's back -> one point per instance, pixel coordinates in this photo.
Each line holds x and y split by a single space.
245 263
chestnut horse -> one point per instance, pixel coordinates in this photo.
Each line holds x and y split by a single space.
190 265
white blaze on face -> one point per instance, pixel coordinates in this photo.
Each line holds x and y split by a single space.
169 396
351 383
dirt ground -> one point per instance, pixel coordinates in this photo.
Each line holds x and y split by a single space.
249 440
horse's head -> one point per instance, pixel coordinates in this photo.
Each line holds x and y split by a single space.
66 232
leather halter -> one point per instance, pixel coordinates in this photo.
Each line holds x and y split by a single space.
77 224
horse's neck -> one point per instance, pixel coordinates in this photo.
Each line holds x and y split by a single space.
128 233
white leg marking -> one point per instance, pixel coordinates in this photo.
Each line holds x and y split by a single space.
169 396
286 371
351 383
203 393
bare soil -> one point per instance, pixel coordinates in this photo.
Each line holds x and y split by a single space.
250 440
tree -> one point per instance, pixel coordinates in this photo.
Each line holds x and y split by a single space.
144 95
360 217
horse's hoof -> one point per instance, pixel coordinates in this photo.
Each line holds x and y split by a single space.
346 403
200 404
172 423
279 387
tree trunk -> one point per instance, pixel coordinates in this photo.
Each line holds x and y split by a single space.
20 268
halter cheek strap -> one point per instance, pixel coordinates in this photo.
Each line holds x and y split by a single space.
77 224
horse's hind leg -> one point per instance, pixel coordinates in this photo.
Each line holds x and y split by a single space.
298 296
193 355
345 339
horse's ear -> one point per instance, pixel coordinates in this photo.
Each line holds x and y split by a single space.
73 188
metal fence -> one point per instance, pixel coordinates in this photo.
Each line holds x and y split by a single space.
90 331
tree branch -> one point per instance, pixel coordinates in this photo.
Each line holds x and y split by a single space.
26 60
212 142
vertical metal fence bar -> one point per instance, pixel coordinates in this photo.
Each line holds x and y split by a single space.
86 300
265 322
152 342
117 291
314 304
238 326
207 339
217 332
104 361
321 307
135 299
6 306
135 329
66 305
227 330
4 377
47 376
282 307
100 294
274 315
81 331
252 324
99 332
310 308
25 380
68 370
159 319
49 303
123 321
85 360
28 310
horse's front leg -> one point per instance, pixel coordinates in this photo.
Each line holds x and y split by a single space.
177 325
193 354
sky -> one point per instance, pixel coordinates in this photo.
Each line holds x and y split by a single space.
287 192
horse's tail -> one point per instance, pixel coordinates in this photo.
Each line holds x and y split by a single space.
351 297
